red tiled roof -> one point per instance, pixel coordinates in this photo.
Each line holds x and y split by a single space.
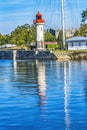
48 43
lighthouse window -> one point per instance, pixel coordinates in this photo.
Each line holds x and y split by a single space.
41 29
38 17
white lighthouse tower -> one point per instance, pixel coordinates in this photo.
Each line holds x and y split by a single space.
39 22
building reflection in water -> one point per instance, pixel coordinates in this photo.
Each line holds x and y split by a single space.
67 76
15 66
41 81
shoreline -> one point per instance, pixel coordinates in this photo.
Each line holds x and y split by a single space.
43 55
71 55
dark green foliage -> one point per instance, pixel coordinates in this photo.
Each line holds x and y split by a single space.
60 39
81 31
84 15
21 36
77 33
4 39
24 35
49 37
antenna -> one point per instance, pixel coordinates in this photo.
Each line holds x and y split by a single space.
63 23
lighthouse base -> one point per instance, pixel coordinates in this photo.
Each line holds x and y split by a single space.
40 46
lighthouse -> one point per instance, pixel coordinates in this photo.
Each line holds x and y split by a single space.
39 23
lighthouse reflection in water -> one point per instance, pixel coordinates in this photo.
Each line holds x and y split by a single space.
41 81
43 95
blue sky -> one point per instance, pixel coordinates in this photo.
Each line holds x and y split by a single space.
15 13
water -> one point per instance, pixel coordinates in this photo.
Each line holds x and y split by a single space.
43 95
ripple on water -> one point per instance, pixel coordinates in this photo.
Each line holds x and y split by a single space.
43 95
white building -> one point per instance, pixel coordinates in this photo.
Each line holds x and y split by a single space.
77 43
39 22
69 32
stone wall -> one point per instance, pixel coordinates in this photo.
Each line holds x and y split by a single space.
6 54
26 55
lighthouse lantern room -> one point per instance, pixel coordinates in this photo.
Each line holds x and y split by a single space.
39 22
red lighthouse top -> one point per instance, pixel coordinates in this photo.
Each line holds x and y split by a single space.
38 18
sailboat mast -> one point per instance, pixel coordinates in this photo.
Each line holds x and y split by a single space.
63 22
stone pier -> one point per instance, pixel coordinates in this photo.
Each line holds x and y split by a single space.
26 55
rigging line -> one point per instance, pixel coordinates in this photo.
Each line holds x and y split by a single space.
46 26
36 7
46 9
42 5
68 9
75 14
58 18
33 9
45 6
53 14
48 13
69 14
66 13
78 13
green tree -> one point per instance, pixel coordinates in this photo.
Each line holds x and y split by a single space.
60 39
84 15
23 35
7 39
81 31
30 36
77 33
49 37
2 39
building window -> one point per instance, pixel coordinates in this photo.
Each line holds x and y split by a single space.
79 43
72 44
41 29
86 44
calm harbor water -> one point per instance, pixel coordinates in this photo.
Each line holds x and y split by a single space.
43 95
